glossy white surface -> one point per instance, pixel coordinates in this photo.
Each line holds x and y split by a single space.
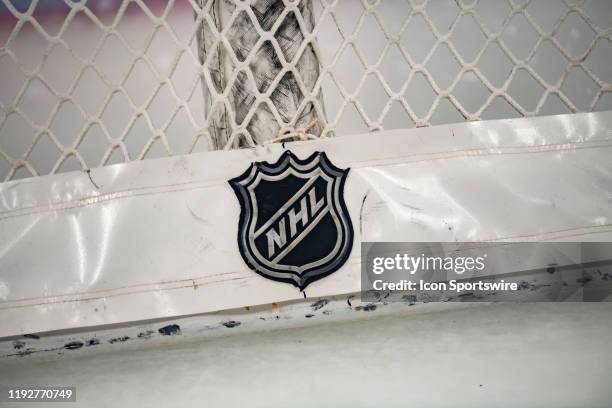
157 239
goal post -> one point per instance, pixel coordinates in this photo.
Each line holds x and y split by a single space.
261 70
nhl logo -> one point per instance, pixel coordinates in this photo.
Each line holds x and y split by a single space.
294 226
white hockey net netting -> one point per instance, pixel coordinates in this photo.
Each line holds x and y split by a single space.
91 83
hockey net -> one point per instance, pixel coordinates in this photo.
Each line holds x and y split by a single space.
92 83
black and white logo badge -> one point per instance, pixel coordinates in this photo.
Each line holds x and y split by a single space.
294 226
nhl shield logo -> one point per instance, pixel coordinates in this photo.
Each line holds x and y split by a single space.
294 226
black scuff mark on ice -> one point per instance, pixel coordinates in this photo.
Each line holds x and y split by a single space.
30 350
523 285
73 345
348 302
410 299
26 352
119 339
32 336
319 304
145 334
232 323
370 307
92 342
170 330
18 344
586 278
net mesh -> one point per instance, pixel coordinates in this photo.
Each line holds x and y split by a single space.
91 83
